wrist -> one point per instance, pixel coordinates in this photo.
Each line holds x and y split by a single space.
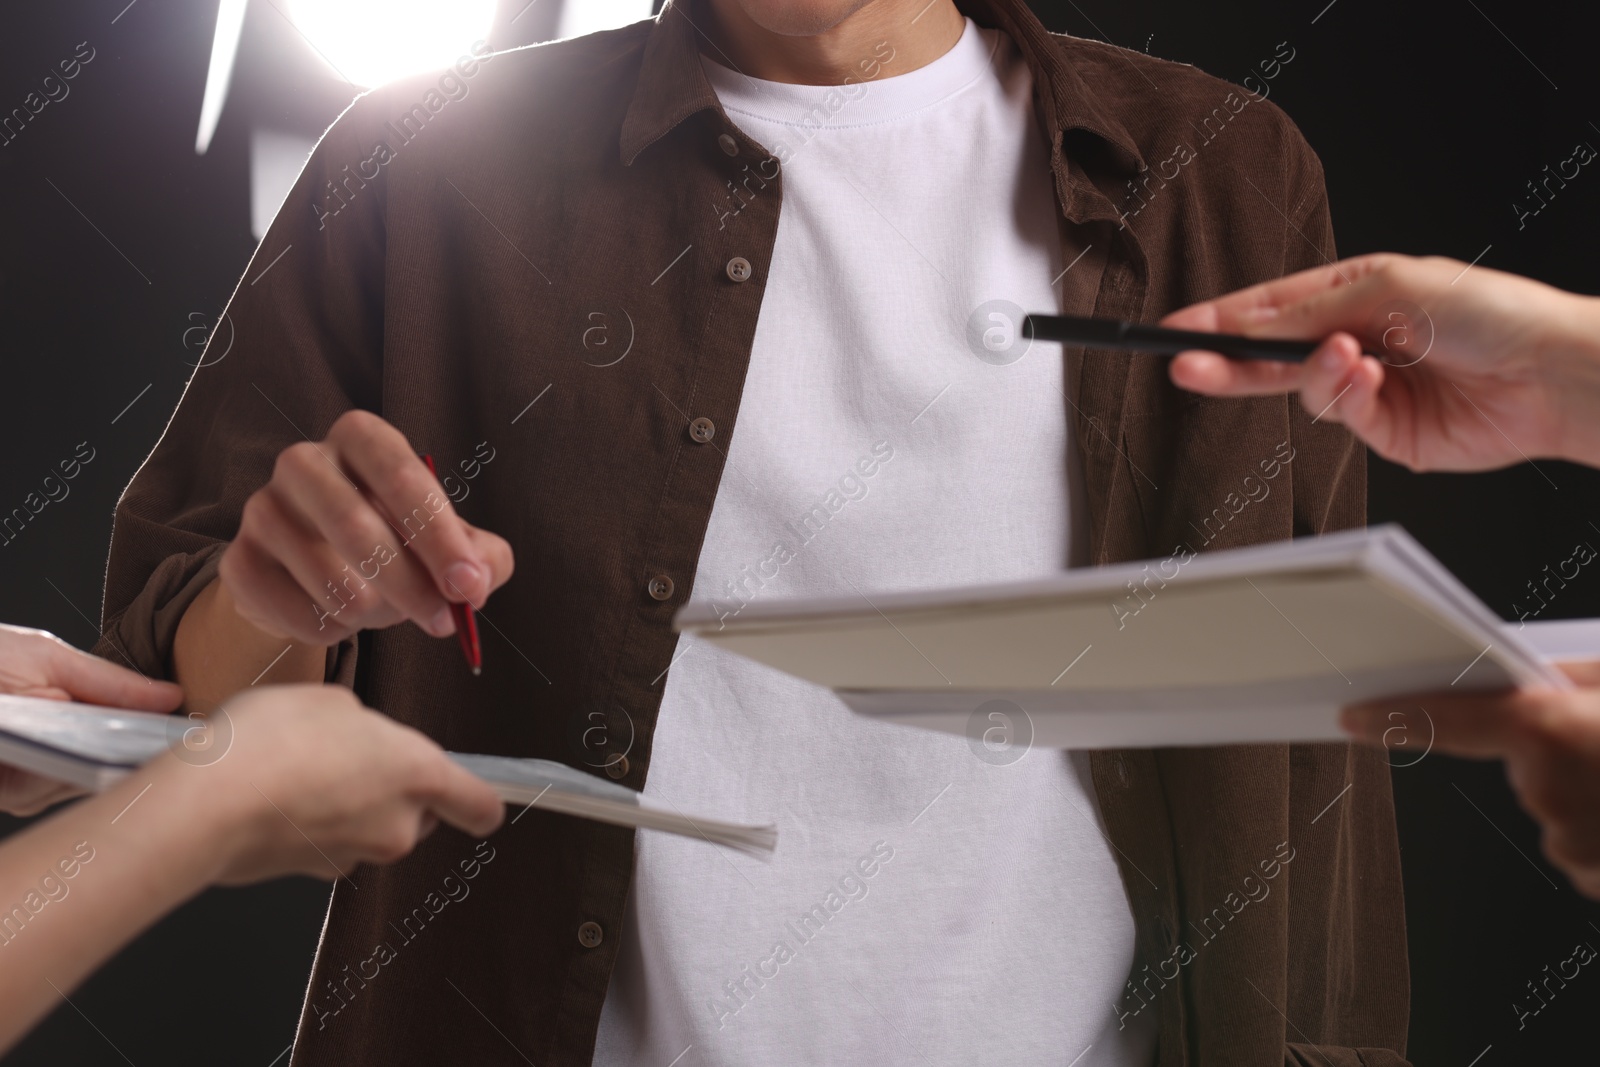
1571 362
171 810
217 652
220 609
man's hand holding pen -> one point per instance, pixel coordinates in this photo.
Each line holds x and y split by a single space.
354 533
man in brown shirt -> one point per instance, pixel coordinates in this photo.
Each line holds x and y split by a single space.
431 285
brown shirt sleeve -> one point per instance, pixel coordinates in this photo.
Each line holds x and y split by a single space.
300 342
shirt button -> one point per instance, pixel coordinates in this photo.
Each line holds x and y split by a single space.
617 768
739 269
729 145
702 430
1122 770
660 587
590 935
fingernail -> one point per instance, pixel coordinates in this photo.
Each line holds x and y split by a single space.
441 624
465 577
1329 358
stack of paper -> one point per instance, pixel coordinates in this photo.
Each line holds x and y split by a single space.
1260 644
92 748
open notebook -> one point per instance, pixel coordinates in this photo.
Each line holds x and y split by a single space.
1260 644
92 747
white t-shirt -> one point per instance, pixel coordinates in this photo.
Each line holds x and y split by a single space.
925 904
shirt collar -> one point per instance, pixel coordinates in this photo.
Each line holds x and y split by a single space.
672 85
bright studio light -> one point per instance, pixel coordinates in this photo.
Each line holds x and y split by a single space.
370 42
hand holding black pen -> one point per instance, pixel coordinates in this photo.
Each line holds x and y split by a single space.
1435 364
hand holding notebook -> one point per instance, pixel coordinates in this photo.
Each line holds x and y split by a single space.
92 748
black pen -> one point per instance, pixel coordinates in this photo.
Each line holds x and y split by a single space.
1135 337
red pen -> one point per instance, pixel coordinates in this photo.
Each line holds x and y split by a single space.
466 619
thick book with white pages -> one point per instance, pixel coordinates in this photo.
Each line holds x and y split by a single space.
1259 644
93 747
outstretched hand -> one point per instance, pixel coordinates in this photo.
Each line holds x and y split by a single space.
314 783
1549 739
1434 365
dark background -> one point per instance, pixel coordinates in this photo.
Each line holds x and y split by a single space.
1430 117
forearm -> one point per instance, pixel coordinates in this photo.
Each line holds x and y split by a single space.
216 653
78 886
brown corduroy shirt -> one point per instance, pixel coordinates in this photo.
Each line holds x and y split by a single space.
445 261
